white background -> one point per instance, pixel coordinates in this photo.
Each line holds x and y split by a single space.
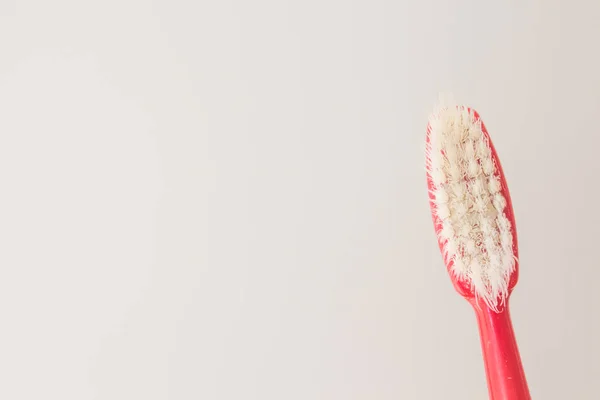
226 199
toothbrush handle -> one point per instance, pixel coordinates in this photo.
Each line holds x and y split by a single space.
503 368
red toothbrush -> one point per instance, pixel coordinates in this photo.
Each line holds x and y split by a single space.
475 226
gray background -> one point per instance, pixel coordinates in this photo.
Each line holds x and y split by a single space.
226 199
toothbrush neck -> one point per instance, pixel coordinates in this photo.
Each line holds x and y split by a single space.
504 371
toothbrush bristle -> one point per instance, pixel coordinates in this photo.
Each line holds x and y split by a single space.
469 204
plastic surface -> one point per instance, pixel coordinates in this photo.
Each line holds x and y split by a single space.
504 370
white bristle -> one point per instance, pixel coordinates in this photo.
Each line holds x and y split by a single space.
475 231
494 185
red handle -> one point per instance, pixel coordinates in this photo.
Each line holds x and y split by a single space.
505 375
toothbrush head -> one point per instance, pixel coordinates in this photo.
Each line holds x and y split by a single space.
471 207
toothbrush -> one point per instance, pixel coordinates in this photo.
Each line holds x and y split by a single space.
475 227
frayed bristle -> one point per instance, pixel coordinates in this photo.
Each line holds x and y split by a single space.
469 203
